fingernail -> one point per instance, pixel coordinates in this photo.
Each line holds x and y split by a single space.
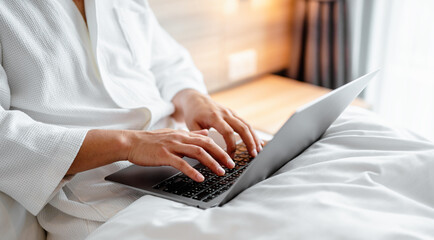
254 153
221 171
231 163
260 148
262 142
200 177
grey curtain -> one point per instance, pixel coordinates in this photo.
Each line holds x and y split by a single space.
320 51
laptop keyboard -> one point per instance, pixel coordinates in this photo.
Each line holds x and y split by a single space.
213 185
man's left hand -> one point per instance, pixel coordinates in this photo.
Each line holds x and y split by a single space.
199 111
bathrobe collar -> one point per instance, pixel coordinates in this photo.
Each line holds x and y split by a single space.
92 21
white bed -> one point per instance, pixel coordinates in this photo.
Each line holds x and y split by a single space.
362 180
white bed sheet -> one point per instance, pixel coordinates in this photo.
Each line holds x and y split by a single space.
362 180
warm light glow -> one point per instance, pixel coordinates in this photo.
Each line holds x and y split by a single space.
231 6
257 4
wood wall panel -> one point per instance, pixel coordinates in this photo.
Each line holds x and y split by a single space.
211 33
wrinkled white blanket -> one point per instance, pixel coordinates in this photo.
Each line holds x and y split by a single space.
362 180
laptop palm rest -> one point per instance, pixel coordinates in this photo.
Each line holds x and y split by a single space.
145 177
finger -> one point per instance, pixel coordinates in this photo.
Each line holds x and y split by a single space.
258 141
203 132
228 135
245 134
194 127
199 154
213 149
185 168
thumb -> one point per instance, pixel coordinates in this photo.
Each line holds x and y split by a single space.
194 127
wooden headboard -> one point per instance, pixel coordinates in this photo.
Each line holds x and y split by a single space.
214 30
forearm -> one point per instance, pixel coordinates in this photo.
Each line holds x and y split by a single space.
100 148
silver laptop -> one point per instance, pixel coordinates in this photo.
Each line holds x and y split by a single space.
301 130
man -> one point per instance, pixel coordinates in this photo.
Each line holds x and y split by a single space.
83 85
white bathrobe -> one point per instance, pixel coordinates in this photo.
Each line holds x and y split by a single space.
58 79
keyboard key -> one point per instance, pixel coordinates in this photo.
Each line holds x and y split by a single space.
201 195
188 194
213 185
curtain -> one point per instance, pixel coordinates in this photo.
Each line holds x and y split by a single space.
401 44
320 46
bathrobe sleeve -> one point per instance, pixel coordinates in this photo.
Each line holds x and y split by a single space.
171 64
34 157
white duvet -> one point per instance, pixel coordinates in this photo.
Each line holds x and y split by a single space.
362 180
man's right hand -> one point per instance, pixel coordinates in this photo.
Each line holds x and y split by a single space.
166 147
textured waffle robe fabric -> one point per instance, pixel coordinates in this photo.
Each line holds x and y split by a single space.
59 78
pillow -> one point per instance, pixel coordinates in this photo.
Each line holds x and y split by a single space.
16 223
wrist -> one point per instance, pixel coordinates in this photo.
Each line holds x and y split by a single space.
124 141
99 148
182 99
